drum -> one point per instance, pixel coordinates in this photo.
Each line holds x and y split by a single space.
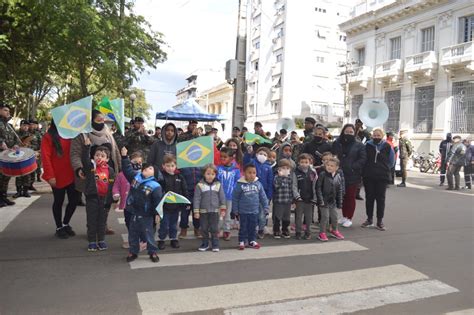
18 163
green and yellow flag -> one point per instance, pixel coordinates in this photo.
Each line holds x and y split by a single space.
170 197
114 110
251 138
73 119
195 153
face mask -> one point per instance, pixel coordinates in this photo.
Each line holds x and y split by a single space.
98 126
377 141
318 139
348 138
261 158
136 166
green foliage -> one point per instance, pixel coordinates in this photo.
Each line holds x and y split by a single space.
57 51
299 122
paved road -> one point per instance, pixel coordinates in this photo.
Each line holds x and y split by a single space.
423 264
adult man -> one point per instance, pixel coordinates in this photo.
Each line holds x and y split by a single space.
362 134
36 146
23 182
157 135
118 137
391 141
165 146
236 132
137 139
405 149
444 148
258 128
455 160
468 163
317 146
309 123
8 140
191 132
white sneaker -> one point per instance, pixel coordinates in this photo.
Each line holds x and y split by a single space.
347 223
342 220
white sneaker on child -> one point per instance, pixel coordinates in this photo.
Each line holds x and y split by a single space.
347 223
342 220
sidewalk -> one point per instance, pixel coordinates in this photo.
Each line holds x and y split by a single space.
41 187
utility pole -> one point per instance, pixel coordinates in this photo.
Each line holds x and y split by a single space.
239 115
347 65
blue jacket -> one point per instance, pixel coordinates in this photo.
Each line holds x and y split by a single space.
249 197
145 193
192 175
264 174
228 176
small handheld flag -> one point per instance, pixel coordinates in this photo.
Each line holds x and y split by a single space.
170 197
251 138
195 153
73 119
118 109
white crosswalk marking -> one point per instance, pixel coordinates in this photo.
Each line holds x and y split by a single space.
10 213
237 295
352 301
195 258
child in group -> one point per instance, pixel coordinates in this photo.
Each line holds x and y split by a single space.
272 160
99 181
175 182
122 187
285 152
235 144
265 177
248 199
144 196
329 190
283 196
228 174
209 198
305 185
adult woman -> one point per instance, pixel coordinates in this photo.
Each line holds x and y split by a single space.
100 136
377 175
352 155
60 176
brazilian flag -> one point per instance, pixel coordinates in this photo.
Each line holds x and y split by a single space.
73 119
195 153
114 110
251 138
171 197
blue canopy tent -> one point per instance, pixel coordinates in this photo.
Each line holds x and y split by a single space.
188 110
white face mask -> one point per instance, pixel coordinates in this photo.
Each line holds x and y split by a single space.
261 158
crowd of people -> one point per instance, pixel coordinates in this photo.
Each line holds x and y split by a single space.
317 177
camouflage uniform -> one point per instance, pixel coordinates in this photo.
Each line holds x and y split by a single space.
36 146
7 136
119 139
137 141
25 180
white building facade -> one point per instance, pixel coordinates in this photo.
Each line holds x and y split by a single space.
293 52
418 56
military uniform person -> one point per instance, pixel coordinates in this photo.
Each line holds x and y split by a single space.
137 139
405 150
23 183
36 146
8 140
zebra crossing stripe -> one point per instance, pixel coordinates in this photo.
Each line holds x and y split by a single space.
195 258
352 301
462 312
11 212
257 292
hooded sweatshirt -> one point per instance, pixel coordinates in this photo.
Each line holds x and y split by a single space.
161 148
380 160
228 176
248 197
282 156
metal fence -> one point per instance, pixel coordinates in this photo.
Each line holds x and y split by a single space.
392 99
424 102
462 108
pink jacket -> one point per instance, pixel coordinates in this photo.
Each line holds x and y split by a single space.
121 187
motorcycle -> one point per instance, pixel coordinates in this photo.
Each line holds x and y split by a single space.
428 162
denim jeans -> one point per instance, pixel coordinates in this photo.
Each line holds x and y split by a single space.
248 225
141 225
128 217
262 219
169 224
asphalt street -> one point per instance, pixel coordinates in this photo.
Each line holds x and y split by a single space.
422 264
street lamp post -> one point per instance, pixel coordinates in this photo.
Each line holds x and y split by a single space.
133 97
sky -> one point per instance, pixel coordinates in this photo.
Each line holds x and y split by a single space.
200 35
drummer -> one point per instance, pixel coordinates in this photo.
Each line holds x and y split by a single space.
8 140
35 145
23 183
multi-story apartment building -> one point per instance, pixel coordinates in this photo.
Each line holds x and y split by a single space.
418 56
293 52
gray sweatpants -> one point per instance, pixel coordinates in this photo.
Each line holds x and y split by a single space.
306 209
326 213
281 215
210 225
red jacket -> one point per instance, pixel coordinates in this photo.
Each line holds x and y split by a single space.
54 166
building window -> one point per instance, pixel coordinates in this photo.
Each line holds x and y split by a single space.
360 53
280 32
424 102
320 10
466 28
319 59
356 102
342 38
427 39
392 99
255 66
395 48
275 107
257 45
462 108
279 58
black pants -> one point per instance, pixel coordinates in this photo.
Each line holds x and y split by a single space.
392 171
442 171
468 175
96 218
72 197
375 191
281 214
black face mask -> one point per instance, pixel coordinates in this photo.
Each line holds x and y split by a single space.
98 126
318 139
377 141
348 138
136 166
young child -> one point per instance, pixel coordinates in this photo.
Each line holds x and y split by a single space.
285 152
144 196
283 196
329 190
305 186
208 199
99 181
228 174
122 187
272 160
265 177
247 200
176 183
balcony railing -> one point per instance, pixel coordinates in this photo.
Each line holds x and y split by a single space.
457 56
422 62
389 68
